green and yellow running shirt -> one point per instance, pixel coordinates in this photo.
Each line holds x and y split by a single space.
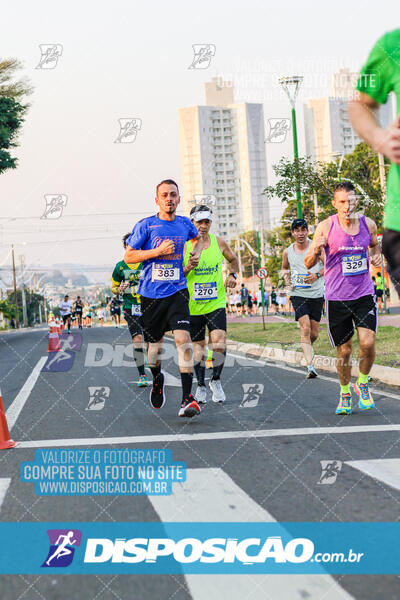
380 76
205 283
123 272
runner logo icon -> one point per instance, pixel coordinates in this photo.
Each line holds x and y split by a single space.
62 547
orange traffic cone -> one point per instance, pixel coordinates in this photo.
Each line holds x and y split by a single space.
5 440
54 340
58 326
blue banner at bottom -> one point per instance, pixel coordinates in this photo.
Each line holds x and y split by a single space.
229 548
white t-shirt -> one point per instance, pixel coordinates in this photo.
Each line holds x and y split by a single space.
65 308
237 299
232 299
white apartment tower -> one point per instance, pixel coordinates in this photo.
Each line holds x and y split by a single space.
223 159
328 131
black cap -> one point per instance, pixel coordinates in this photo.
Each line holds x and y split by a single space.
299 223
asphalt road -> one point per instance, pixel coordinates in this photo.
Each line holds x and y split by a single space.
252 447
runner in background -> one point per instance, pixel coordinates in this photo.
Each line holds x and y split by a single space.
378 78
306 290
115 310
232 302
78 310
66 311
274 302
379 291
244 294
125 281
238 302
158 241
207 301
350 242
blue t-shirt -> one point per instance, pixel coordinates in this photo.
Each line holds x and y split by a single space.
162 276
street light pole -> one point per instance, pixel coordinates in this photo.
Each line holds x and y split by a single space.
291 87
261 280
15 287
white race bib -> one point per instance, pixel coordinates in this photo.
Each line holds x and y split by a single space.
135 310
205 291
298 280
354 264
164 272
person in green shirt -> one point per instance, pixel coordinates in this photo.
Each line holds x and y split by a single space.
125 281
380 76
379 290
207 301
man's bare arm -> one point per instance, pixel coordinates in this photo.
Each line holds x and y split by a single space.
231 258
134 256
286 268
316 251
228 254
374 247
363 119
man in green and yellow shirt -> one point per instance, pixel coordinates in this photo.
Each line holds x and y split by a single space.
125 281
380 76
208 301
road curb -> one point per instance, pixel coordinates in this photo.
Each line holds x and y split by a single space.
384 374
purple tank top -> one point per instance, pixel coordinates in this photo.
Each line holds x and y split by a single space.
346 262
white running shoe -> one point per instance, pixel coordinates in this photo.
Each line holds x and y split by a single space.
218 394
201 394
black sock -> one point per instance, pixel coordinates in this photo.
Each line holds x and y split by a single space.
155 371
218 364
187 379
200 370
138 355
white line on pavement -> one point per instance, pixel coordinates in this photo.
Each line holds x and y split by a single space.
210 495
16 407
4 483
334 380
386 470
208 436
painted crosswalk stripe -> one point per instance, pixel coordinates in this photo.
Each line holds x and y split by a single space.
14 410
214 496
4 483
209 436
386 470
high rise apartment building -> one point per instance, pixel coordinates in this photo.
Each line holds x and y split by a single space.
223 159
328 131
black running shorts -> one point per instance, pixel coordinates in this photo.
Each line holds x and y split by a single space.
134 323
213 320
343 315
165 314
307 306
66 317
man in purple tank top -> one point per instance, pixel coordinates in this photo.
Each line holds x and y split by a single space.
347 242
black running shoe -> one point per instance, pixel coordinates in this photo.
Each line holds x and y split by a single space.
189 408
157 398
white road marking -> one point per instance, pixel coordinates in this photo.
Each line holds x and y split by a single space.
207 436
4 483
386 470
210 495
268 363
16 407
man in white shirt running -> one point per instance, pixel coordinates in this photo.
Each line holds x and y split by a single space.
65 311
306 289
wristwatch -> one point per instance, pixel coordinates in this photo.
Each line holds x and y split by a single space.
233 275
318 275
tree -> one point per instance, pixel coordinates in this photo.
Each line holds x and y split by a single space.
249 261
318 180
11 110
10 121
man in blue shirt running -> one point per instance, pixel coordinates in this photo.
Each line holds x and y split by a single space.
158 242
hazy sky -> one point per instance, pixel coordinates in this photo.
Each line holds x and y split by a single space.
130 60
